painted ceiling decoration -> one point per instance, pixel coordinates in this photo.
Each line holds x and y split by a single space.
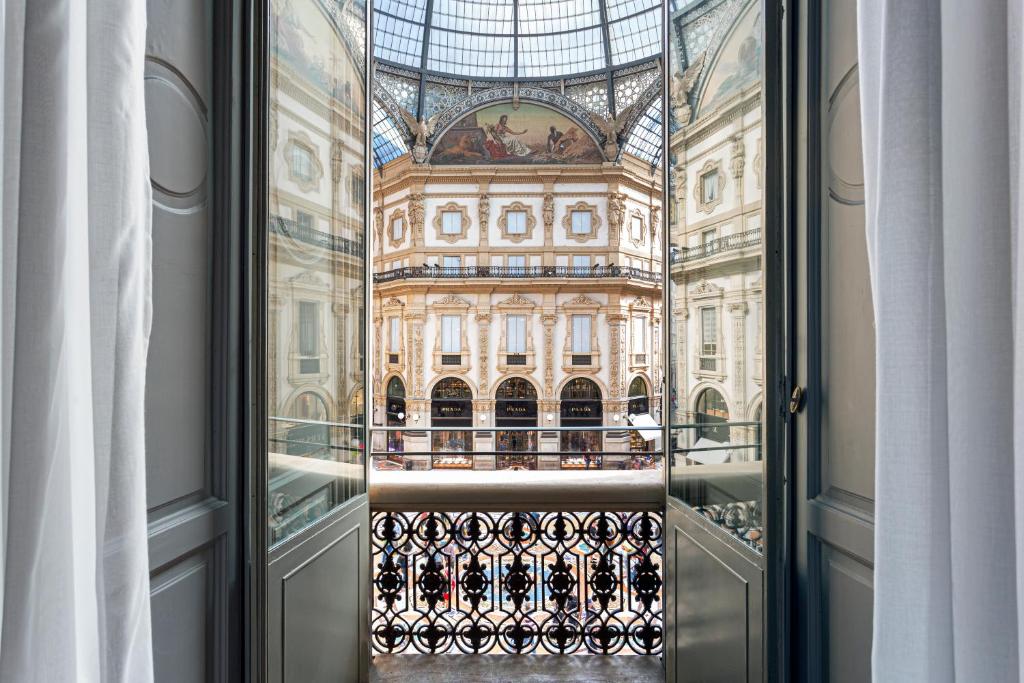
597 61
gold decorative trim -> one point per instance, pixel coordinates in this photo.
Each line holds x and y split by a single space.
595 222
531 222
710 166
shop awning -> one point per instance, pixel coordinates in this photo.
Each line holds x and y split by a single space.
645 420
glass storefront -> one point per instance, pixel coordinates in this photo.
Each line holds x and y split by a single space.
451 407
581 407
515 406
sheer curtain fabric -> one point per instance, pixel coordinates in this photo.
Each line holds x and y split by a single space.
75 329
941 116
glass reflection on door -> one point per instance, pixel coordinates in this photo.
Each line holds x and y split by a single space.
315 260
716 181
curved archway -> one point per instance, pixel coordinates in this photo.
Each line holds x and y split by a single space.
712 415
451 408
515 405
580 406
396 414
309 435
638 397
639 403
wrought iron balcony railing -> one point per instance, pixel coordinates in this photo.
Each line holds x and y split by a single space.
533 272
517 582
315 238
719 245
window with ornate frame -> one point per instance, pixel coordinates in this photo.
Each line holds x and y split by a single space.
515 346
710 186
577 356
517 222
451 222
581 222
396 228
451 353
304 167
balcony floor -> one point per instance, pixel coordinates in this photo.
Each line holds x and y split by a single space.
515 669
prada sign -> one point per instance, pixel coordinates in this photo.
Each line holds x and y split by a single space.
588 411
516 410
451 413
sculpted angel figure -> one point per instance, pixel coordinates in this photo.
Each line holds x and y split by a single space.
421 128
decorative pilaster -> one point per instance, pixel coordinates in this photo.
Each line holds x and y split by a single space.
418 360
378 228
417 213
485 218
680 381
484 335
739 333
379 352
655 223
549 319
616 362
616 216
657 370
549 218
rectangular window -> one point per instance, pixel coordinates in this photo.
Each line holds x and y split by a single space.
451 334
397 227
639 335
516 222
309 331
638 228
302 162
581 334
709 187
581 262
517 263
708 331
451 261
394 335
581 222
708 236
304 220
515 333
451 222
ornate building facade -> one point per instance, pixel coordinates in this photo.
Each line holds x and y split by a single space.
517 296
715 222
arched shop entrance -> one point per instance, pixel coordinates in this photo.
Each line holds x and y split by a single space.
396 414
639 404
451 407
712 415
581 407
515 405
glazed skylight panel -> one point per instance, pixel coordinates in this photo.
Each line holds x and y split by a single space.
410 10
645 140
619 9
397 40
555 55
494 17
468 54
387 142
636 37
557 16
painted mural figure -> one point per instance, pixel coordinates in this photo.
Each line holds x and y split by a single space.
505 136
553 136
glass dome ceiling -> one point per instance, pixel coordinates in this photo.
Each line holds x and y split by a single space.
515 39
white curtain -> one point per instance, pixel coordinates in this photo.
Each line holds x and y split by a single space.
941 109
75 329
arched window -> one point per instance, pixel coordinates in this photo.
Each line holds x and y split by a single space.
712 416
309 438
395 414
639 402
581 407
515 405
451 406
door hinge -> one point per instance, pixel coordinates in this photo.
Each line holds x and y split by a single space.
796 400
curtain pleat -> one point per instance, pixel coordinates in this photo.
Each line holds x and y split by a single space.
940 116
76 319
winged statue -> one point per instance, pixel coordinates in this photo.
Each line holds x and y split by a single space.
612 128
420 128
682 84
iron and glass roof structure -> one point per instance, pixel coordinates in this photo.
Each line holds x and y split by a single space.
595 57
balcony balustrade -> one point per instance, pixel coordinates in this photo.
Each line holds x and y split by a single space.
515 272
315 238
720 245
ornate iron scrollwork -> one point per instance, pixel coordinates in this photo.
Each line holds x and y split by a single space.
517 582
